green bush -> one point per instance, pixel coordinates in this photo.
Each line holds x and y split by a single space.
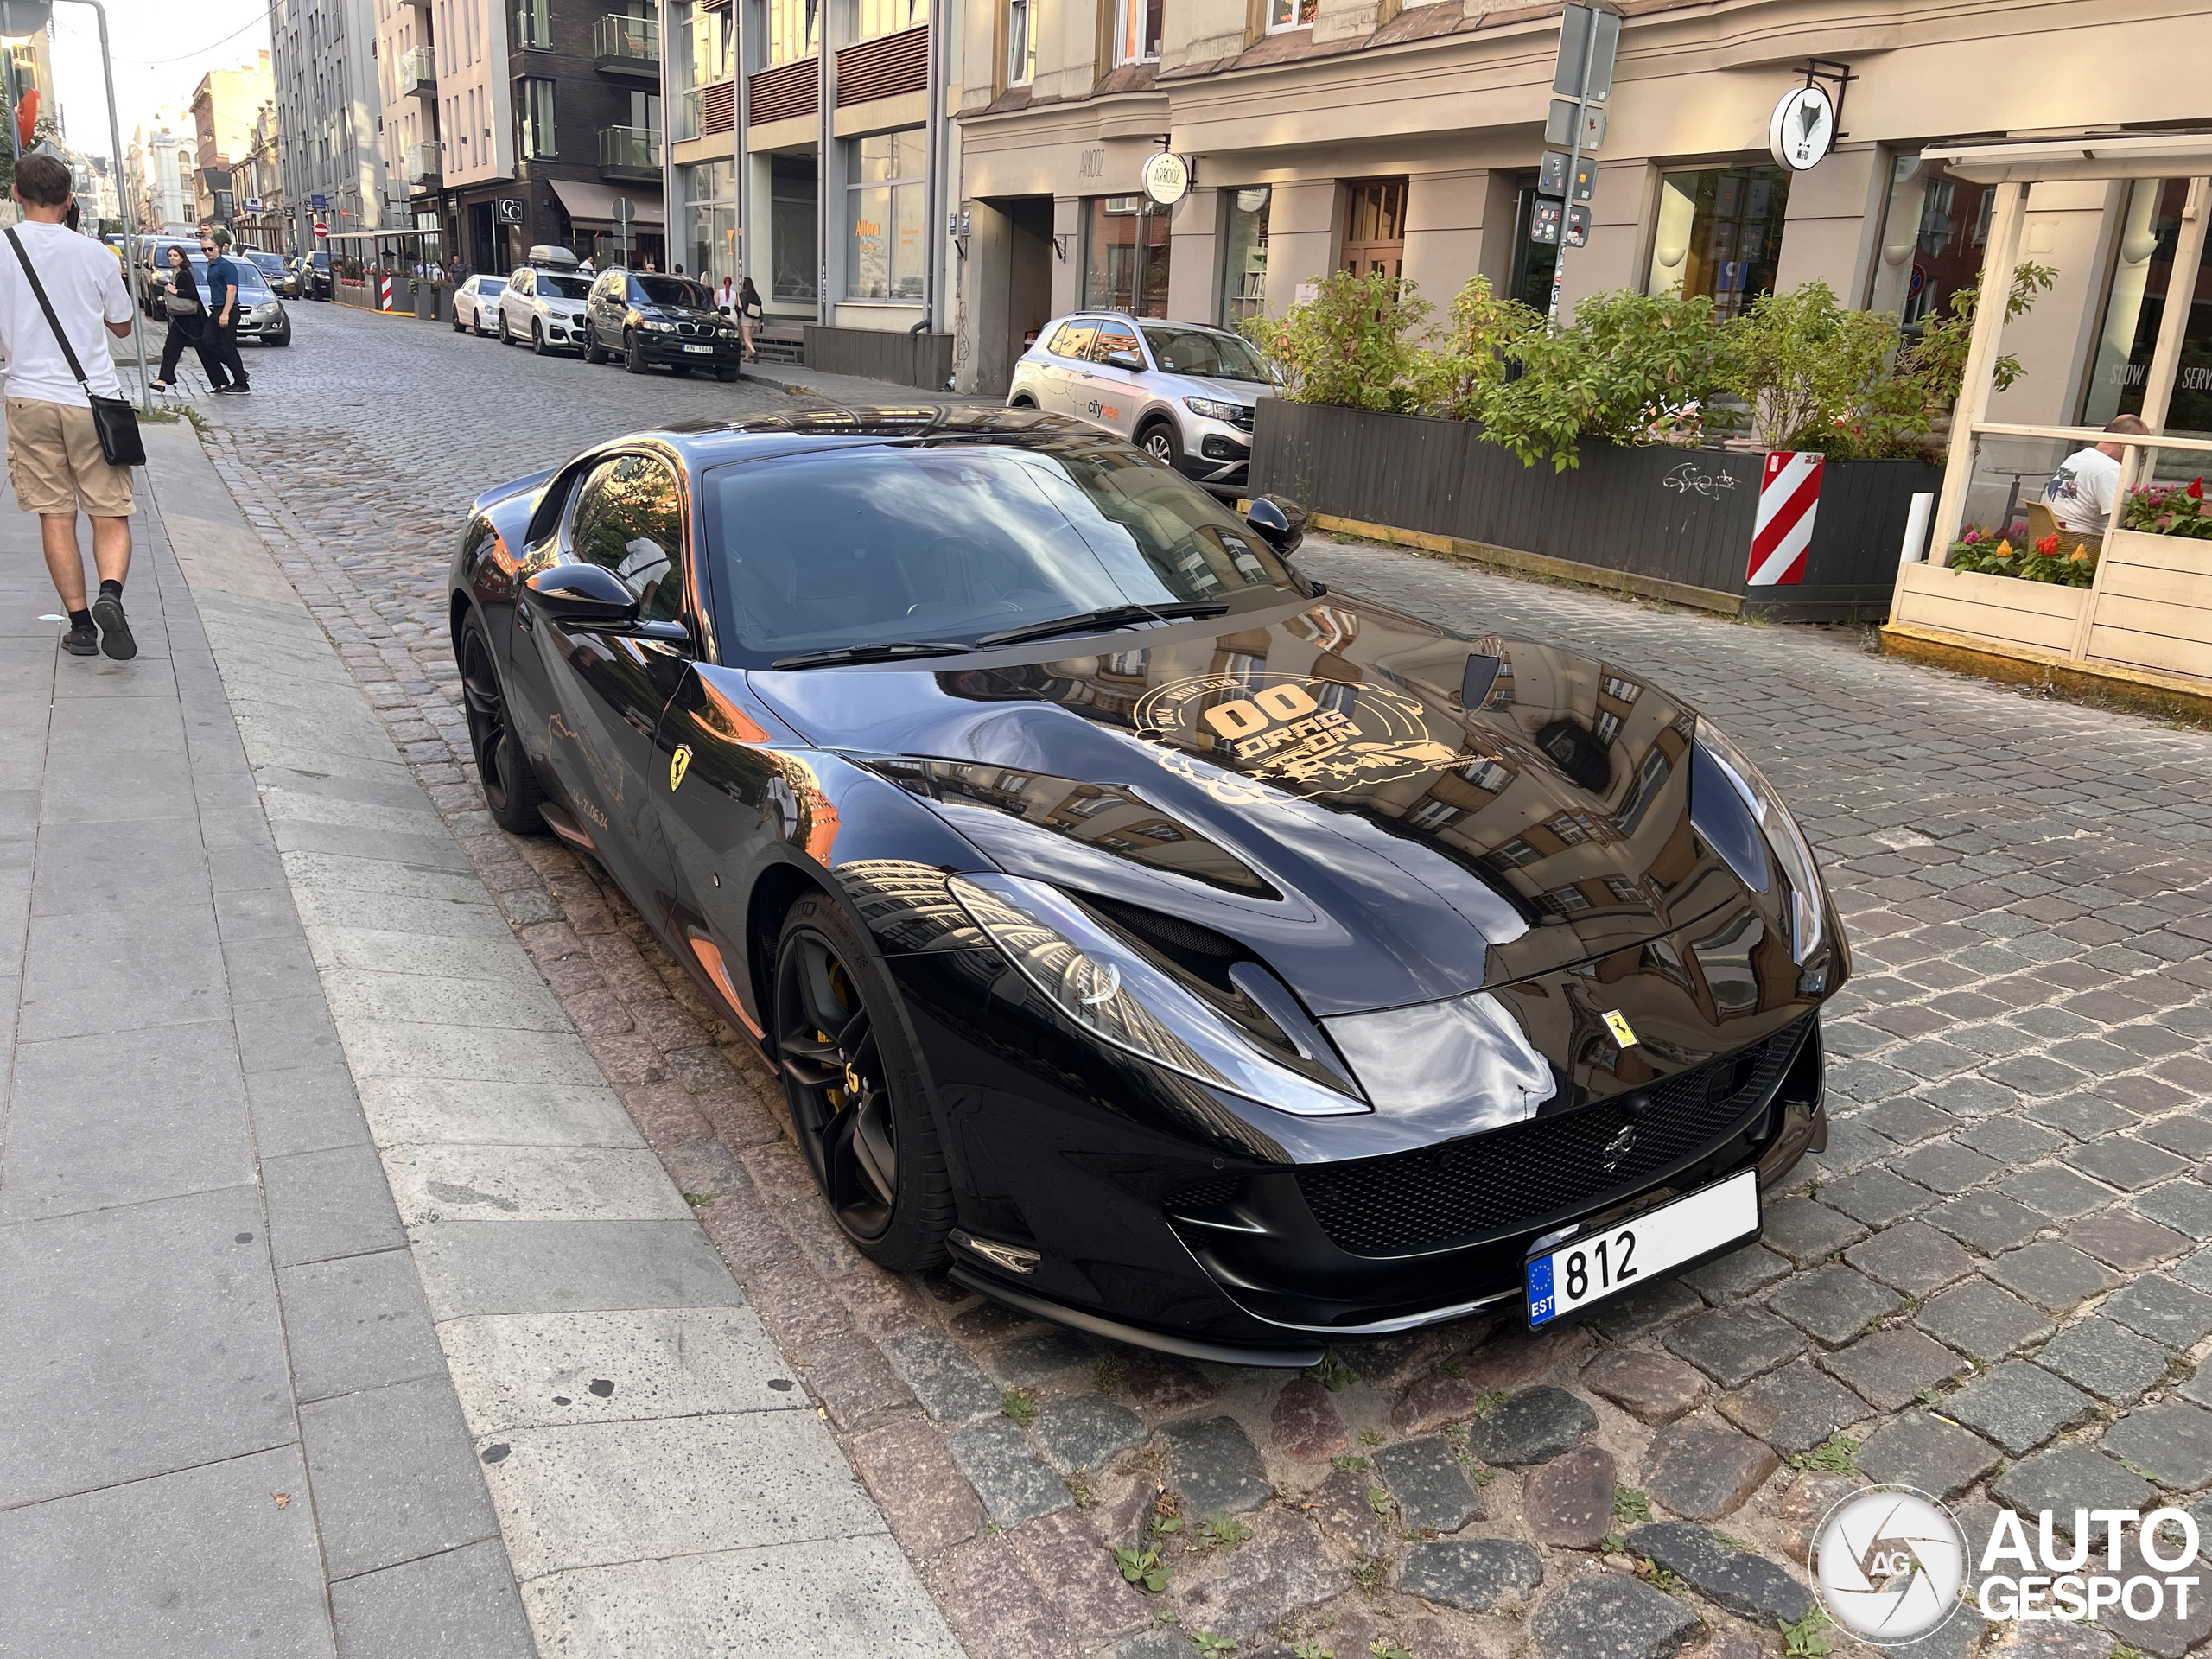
1351 345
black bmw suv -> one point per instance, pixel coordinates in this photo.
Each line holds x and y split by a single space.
644 319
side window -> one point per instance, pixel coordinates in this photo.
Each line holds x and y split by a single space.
1115 336
520 284
1072 339
629 518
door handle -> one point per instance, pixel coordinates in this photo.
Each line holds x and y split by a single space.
522 616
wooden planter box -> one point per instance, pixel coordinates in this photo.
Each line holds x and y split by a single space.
1676 521
2154 605
2002 610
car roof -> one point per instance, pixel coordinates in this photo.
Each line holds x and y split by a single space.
707 442
1135 321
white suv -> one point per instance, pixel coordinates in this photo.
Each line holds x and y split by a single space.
544 305
1184 392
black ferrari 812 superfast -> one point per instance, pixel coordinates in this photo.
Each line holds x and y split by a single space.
1182 950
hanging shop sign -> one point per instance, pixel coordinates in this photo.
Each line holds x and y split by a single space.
1168 178
1804 130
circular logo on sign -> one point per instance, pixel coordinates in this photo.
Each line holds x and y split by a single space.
1166 178
1322 736
1888 1563
1804 128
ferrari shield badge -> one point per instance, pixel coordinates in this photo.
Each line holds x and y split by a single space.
678 764
1624 1033
1322 736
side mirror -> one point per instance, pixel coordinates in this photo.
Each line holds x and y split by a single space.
1128 360
1279 521
583 598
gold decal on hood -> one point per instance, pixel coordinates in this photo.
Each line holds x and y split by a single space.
1624 1033
1321 737
678 764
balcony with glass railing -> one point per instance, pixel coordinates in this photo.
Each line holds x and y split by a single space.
423 166
629 153
628 45
418 73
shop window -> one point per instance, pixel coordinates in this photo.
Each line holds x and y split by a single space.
1136 29
1126 247
890 17
1292 14
709 224
1934 229
1719 235
2144 281
1374 227
885 202
1244 254
1021 42
792 259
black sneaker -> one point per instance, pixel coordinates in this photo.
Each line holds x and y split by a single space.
81 642
115 629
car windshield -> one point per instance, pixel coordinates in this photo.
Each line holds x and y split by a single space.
267 261
323 262
557 287
953 539
1204 352
252 286
664 290
491 284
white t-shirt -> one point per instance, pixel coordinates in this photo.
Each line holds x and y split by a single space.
83 279
2080 492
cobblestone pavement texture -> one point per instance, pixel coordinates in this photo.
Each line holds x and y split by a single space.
1993 1284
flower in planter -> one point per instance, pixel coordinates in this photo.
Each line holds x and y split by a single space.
2196 489
2049 546
2080 551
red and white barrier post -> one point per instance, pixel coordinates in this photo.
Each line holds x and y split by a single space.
1790 495
384 292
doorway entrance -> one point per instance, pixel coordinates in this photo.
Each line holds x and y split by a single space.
1374 227
1010 287
794 251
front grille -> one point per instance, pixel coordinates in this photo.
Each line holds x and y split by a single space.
1206 1195
1242 420
1524 1176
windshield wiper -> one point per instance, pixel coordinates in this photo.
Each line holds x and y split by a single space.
1106 617
871 653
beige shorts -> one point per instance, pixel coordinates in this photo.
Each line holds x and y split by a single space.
55 464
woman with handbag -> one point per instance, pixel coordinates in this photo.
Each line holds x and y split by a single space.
187 325
748 317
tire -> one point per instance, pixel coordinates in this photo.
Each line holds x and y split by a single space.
592 354
1022 401
633 356
476 324
859 1110
504 340
725 375
539 343
456 322
1161 441
284 338
512 793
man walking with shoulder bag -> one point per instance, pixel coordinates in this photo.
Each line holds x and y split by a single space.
71 440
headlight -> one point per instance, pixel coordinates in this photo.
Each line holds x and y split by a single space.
1095 978
1740 817
1212 409
653 325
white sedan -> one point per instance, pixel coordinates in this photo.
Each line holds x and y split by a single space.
476 304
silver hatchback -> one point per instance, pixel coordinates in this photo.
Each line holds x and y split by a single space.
1183 392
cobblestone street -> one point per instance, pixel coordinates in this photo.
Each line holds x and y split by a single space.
1992 1286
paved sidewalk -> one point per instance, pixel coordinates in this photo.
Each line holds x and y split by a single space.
297 1141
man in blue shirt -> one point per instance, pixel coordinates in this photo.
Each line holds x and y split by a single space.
223 308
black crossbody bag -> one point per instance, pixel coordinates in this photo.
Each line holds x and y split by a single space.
113 418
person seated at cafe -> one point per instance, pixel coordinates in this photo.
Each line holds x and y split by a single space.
2080 493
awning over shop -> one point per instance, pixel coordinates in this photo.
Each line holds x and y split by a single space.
2093 155
592 205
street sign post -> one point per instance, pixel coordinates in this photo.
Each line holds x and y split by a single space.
1582 81
625 215
320 202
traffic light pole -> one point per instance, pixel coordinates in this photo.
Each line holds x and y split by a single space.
1574 172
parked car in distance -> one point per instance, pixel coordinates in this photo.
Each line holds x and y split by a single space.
1183 392
476 304
646 319
262 315
312 271
280 276
544 302
154 272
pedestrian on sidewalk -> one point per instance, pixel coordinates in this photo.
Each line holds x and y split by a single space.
748 317
223 309
54 458
188 316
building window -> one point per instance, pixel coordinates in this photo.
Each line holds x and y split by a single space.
794 30
1136 29
890 17
1719 235
1125 255
1244 254
885 202
1374 227
1934 227
1292 14
701 56
2144 281
534 23
1021 42
710 223
538 137
1435 815
793 260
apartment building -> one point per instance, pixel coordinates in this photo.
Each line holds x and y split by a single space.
160 174
223 108
258 186
324 58
1332 134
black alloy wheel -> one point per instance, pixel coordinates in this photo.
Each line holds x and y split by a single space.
512 792
538 340
854 1092
633 355
457 324
592 354
1159 440
504 337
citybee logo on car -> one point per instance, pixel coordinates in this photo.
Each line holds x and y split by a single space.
1889 1563
1325 734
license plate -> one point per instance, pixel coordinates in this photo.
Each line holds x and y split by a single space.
703 350
1630 1254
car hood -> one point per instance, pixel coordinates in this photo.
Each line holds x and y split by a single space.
1229 392
1385 813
